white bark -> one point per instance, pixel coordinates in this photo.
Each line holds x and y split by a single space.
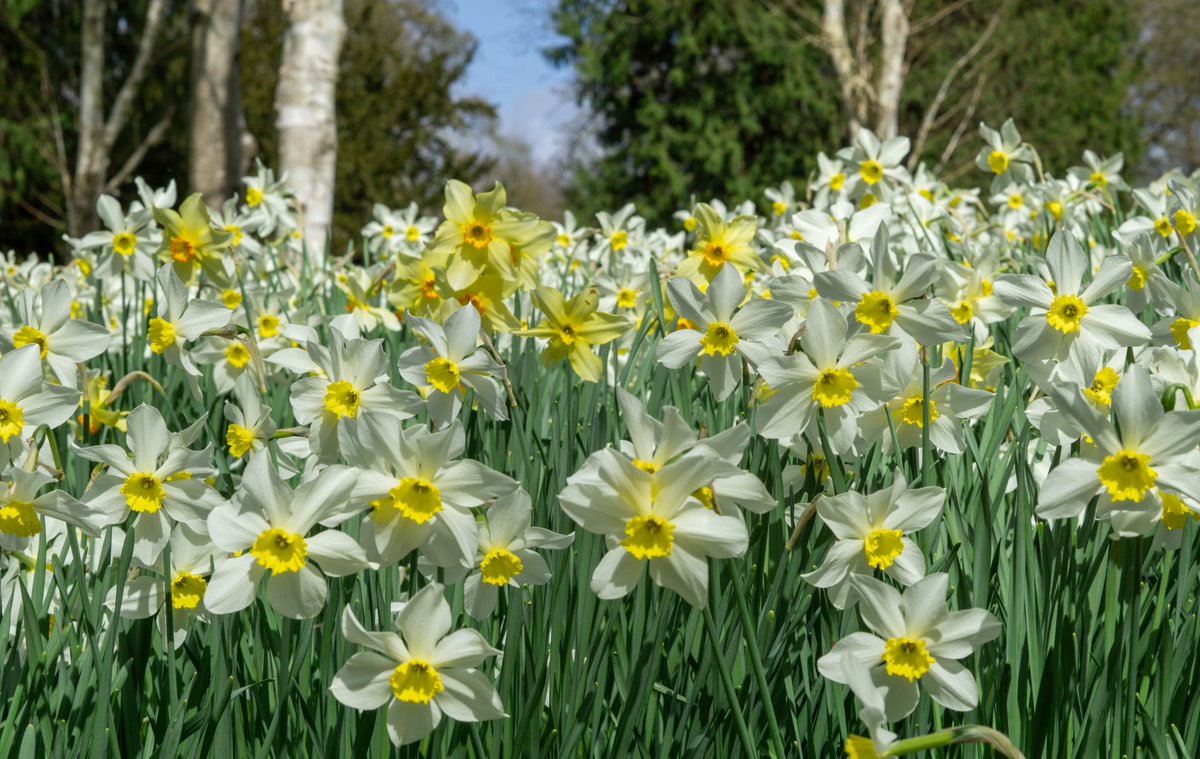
215 139
305 115
893 33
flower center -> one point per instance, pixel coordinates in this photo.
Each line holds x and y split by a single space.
182 250
1137 280
706 497
12 420
1174 512
1163 227
882 547
280 551
162 335
913 411
626 298
341 399
443 375
837 182
239 439
388 232
1100 392
998 161
268 326
1065 314
859 747
499 567
29 336
1185 223
414 499
1127 475
876 311
907 658
567 334
477 235
19 519
719 339
648 537
415 682
834 387
715 254
619 239
254 196
1098 180
1055 208
648 467
143 493
412 234
186 590
779 208
963 311
237 354
124 244
1179 330
871 171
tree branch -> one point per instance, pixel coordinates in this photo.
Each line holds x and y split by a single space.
141 64
153 137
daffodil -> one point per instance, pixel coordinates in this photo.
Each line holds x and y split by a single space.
191 243
404 232
27 402
725 332
1070 313
894 303
914 639
872 534
1148 454
181 320
832 375
23 512
721 242
159 481
44 319
126 245
421 672
147 595
505 556
419 490
269 529
268 200
1004 152
249 421
653 520
351 381
474 235
574 328
452 364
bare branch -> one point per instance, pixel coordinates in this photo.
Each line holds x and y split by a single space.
948 81
153 137
933 18
962 125
141 64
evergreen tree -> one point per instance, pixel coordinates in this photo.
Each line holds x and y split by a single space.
687 99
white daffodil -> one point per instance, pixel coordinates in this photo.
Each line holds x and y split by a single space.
27 402
653 519
128 244
422 673
723 334
267 197
22 510
915 639
1004 152
949 405
352 381
1067 313
505 557
873 713
398 231
362 299
1148 455
250 425
145 595
270 532
44 319
871 532
419 491
834 375
181 320
894 303
1176 329
159 480
879 163
451 364
230 358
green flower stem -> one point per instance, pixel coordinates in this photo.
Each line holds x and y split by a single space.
756 665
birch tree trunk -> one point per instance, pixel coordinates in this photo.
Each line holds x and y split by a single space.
893 34
305 115
215 134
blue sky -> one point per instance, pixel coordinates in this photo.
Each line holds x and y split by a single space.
533 98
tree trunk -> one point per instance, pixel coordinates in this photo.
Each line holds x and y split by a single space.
215 139
893 34
305 112
91 163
